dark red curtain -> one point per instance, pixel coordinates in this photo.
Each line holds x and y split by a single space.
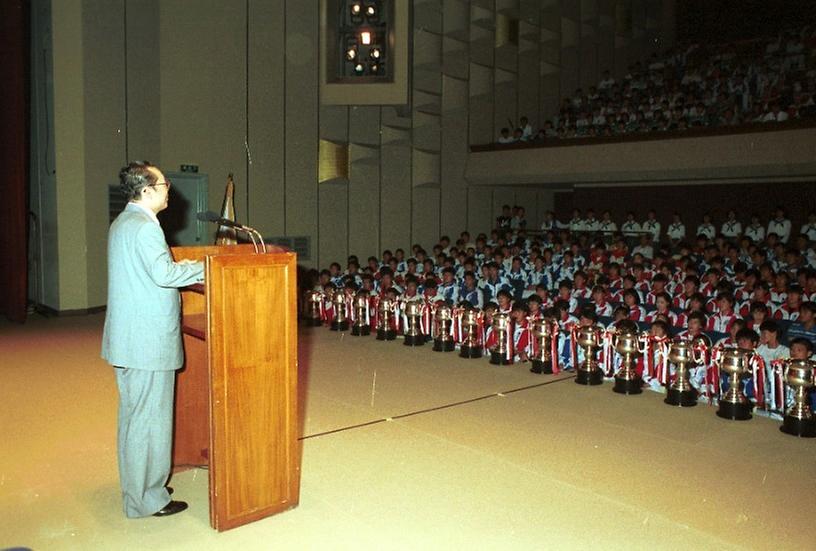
14 116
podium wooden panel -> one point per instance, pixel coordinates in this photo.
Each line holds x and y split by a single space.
236 397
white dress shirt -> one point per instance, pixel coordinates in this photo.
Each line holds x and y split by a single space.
676 231
755 233
780 227
731 228
630 229
652 226
707 229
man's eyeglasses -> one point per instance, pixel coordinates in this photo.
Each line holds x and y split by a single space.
168 183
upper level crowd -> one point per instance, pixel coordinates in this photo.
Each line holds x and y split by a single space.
693 86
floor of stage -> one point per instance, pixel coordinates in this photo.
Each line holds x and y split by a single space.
557 466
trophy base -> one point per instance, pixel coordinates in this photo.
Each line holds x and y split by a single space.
541 367
681 398
589 377
361 331
470 352
497 358
383 335
339 326
734 411
628 386
311 322
803 428
444 346
414 340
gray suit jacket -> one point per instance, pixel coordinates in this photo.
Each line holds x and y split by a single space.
142 325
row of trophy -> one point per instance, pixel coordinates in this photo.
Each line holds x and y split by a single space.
798 375
683 354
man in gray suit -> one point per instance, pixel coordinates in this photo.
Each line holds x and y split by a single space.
142 339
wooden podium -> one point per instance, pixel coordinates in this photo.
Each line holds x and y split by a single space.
236 397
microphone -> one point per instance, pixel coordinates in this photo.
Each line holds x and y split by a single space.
210 216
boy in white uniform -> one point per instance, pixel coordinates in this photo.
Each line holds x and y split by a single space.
731 228
755 231
676 231
780 225
652 225
707 228
769 347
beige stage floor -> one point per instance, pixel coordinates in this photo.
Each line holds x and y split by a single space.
558 466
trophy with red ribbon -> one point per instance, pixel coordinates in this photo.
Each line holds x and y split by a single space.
680 392
413 332
443 321
502 351
340 321
545 346
472 345
314 300
587 372
733 404
626 343
362 324
385 320
798 419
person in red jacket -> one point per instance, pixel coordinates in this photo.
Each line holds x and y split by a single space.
632 301
790 309
725 317
521 332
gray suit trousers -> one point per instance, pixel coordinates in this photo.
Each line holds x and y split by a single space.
145 438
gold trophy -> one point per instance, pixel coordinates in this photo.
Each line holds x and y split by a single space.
313 300
500 354
588 373
340 322
443 342
472 346
361 326
680 392
543 331
413 333
627 381
385 328
798 420
734 405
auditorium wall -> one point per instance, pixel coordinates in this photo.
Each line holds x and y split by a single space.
233 88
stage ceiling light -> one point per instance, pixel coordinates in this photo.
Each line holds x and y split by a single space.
365 37
351 54
359 68
374 69
356 9
375 53
371 12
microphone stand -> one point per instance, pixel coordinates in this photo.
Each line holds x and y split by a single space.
252 238
252 232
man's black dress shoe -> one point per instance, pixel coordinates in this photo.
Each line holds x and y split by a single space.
171 509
